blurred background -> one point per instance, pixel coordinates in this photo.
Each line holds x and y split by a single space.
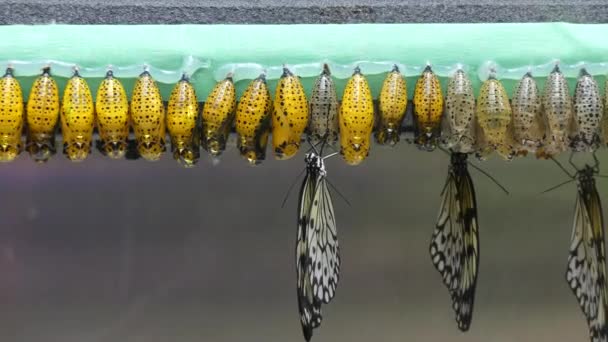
136 251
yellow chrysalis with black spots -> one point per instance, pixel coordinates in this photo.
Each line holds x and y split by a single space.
112 109
77 118
290 115
253 115
42 116
494 117
356 119
392 105
11 117
428 109
148 116
182 118
218 115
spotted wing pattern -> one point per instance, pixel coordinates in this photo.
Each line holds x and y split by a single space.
310 311
455 244
323 247
586 272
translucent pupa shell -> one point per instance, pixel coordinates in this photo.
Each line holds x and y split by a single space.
253 115
458 133
289 117
557 110
494 117
528 125
182 118
11 117
77 119
218 115
112 109
428 109
392 104
148 116
323 110
356 119
588 111
42 117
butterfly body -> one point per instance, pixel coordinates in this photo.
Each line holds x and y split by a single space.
317 250
586 268
454 245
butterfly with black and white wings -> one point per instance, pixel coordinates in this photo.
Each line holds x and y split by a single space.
317 250
455 242
310 310
586 271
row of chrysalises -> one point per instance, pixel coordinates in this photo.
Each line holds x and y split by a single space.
544 123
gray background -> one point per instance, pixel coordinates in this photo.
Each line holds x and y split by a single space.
137 251
298 11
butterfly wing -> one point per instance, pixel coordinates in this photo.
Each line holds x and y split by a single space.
455 244
323 244
310 312
586 272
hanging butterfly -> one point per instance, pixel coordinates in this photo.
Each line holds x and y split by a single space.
317 250
586 270
455 242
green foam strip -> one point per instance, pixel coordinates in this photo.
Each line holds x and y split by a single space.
164 47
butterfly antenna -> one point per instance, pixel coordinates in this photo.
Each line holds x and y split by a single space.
562 167
330 155
338 192
571 162
596 165
557 186
490 177
314 148
293 183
